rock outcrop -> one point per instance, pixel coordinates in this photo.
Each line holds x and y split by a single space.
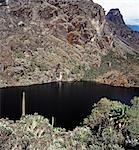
120 29
116 17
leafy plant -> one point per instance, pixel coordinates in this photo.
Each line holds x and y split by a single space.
110 126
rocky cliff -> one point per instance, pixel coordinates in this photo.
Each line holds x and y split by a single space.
115 17
120 29
51 40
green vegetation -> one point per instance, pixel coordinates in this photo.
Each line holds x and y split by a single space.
19 54
133 58
108 62
110 57
110 126
41 65
92 73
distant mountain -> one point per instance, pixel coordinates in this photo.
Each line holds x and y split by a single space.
134 27
121 30
115 16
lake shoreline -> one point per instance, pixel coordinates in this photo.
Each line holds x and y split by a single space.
95 81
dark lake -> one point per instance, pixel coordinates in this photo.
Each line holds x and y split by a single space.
69 103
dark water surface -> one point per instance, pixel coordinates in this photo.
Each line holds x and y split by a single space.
69 103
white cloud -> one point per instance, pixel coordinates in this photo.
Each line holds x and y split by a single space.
128 8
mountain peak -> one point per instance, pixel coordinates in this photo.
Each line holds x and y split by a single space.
121 30
115 16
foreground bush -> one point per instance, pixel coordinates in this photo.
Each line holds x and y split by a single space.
110 126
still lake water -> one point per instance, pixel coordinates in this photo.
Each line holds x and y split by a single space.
69 103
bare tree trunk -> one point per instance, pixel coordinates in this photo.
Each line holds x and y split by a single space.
23 104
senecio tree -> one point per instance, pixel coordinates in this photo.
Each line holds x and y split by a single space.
111 125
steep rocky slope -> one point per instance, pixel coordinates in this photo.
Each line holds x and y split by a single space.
119 28
126 42
46 40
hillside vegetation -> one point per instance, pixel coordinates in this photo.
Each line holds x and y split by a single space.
48 40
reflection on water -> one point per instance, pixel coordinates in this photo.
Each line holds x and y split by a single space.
69 103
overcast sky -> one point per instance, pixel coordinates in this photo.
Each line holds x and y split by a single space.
128 8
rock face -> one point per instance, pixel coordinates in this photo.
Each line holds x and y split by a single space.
116 17
36 36
120 29
71 20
